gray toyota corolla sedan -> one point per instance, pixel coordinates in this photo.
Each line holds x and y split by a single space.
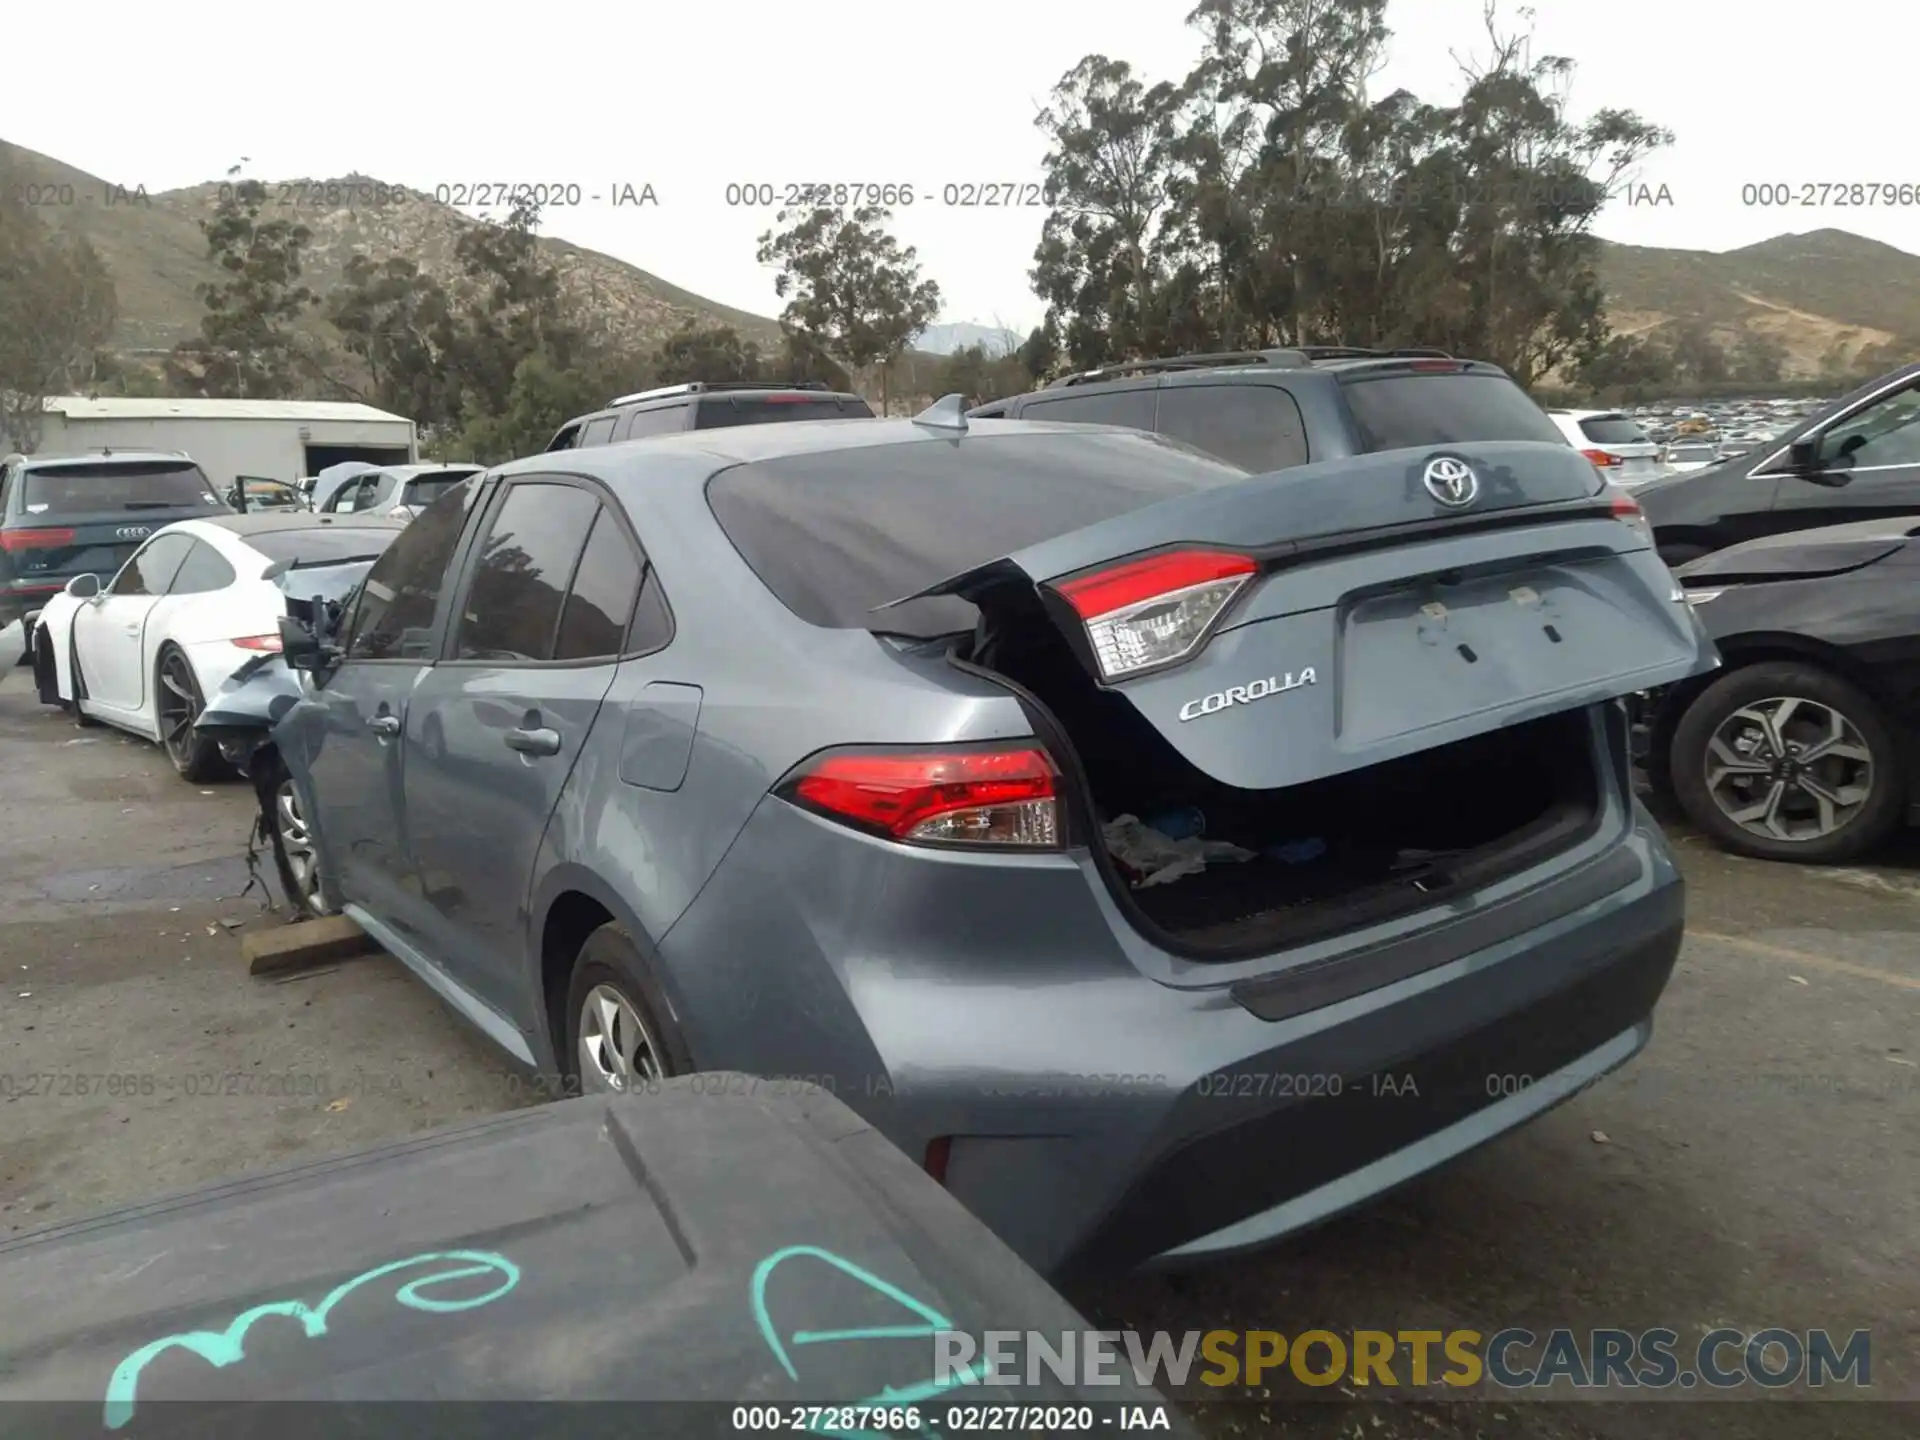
1166 857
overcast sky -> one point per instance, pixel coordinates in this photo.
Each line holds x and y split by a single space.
691 98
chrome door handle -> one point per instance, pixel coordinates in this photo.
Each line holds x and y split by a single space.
534 742
384 724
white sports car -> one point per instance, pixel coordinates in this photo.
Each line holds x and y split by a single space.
190 606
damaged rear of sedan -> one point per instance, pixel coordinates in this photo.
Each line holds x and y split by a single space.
844 752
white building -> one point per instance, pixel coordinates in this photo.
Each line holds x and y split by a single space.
268 439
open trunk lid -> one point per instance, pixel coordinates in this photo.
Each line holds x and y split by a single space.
1338 615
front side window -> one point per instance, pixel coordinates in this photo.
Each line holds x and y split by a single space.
1885 433
394 617
525 566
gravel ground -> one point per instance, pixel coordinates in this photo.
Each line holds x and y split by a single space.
1758 1165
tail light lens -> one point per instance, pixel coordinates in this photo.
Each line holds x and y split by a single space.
1002 798
13 541
1602 459
1627 510
1146 613
259 642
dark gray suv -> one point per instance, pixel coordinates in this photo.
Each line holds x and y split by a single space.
1266 410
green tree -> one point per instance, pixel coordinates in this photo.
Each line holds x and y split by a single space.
1697 356
541 397
399 322
852 290
248 346
57 309
980 376
1627 368
713 353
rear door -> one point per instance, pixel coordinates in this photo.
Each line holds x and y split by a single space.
495 728
1341 614
109 630
1257 427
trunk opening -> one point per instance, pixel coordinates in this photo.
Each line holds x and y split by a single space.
1329 855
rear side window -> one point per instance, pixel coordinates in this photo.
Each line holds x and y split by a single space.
593 623
599 432
1131 408
714 412
393 619
1613 430
526 563
138 485
663 421
835 533
567 439
205 570
1257 427
425 489
1400 410
153 566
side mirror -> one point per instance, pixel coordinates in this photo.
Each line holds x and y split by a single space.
1803 459
84 587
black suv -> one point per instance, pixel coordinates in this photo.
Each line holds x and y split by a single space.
1858 459
700 406
68 515
1267 410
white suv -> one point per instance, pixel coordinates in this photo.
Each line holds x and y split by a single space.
1615 443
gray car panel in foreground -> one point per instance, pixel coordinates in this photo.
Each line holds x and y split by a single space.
886 844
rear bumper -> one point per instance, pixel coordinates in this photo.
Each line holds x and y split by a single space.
1097 1119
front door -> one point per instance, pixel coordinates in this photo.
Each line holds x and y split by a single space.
354 754
496 727
108 631
1876 450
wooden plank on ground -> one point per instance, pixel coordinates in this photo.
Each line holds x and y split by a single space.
311 942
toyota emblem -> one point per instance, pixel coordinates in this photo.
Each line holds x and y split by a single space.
1451 482
133 532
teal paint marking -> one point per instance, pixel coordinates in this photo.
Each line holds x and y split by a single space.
905 1395
221 1348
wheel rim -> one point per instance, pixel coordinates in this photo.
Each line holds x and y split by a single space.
179 706
616 1048
1789 768
296 843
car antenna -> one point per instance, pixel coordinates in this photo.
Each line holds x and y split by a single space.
949 413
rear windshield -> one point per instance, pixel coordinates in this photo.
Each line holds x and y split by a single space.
136 485
425 489
1613 430
714 412
835 533
323 544
1400 410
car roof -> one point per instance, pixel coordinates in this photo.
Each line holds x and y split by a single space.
107 457
413 472
266 522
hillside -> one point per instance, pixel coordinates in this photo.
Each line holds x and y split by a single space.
157 255
1815 293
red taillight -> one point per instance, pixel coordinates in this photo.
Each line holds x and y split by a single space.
1602 458
950 797
786 399
939 1151
1450 366
258 642
1625 507
15 540
1146 613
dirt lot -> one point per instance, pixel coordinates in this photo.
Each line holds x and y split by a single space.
1759 1165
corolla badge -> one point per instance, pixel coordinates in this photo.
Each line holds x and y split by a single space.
1245 694
1451 482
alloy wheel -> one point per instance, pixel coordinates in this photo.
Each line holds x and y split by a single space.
296 844
617 1051
1789 768
179 703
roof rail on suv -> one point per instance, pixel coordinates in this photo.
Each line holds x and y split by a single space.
1291 358
695 387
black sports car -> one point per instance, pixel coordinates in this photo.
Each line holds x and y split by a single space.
1805 745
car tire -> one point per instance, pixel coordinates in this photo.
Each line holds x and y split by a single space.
620 1032
296 858
80 716
1820 707
196 757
